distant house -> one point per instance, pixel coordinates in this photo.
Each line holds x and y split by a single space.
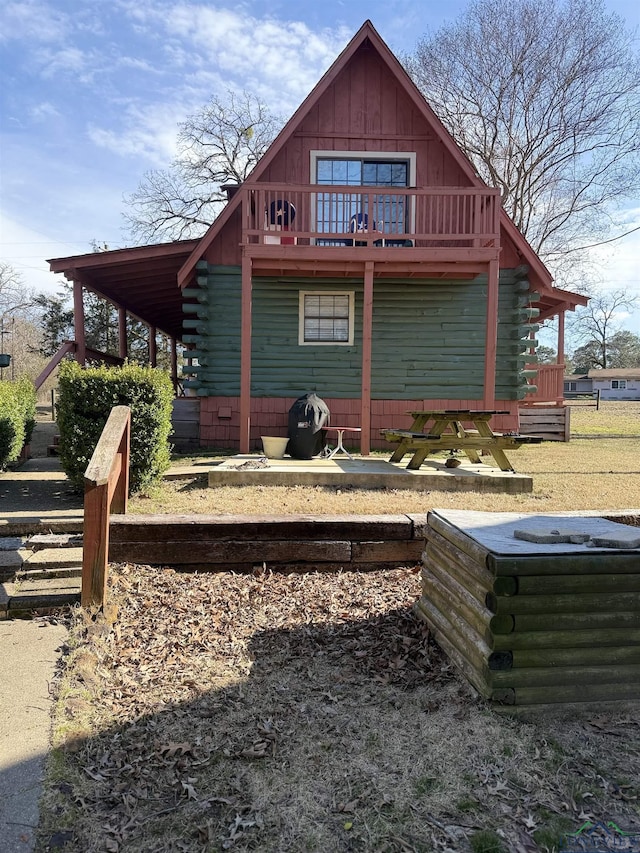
617 384
576 384
363 259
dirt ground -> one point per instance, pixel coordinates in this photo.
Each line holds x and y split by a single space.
314 712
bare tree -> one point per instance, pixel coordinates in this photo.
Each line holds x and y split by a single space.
16 300
544 97
220 144
598 326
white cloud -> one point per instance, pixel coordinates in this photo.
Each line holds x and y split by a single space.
148 132
43 111
32 20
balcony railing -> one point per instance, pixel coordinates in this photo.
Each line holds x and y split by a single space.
323 215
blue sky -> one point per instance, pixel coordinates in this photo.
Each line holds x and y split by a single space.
91 92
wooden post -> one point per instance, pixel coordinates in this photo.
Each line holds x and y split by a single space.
174 364
106 486
367 336
491 344
153 349
122 332
78 323
245 356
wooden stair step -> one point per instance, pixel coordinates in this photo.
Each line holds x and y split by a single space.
25 596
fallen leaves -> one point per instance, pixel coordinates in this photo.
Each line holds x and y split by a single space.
285 712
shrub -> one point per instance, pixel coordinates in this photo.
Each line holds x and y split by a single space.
17 418
86 397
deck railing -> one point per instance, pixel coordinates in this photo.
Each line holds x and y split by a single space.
549 382
382 216
106 490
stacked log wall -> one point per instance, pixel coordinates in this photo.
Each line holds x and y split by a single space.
533 630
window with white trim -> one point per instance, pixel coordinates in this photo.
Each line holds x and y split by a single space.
326 317
619 383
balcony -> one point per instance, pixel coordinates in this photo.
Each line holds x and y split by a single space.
335 228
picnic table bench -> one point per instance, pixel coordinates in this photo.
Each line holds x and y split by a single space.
435 430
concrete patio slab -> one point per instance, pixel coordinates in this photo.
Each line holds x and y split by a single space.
366 473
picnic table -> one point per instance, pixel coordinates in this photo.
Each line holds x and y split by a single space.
445 430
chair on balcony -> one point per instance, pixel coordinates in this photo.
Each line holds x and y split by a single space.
279 216
359 224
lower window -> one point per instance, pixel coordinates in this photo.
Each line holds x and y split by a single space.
326 317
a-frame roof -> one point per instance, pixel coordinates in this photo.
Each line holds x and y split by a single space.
366 33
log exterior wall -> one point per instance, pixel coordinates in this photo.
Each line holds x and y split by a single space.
427 351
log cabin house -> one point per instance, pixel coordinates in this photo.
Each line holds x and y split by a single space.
363 259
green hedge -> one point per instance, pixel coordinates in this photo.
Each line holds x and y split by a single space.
86 397
17 418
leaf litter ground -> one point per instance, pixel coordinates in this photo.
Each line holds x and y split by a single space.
273 712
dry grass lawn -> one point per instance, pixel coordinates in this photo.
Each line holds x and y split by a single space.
289 713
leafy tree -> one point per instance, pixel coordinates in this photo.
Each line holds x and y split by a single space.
220 144
101 328
544 97
56 321
622 350
546 355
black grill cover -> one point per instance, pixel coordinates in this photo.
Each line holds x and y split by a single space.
307 417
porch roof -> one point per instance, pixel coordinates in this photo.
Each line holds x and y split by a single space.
142 279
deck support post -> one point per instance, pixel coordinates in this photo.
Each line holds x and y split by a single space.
153 347
491 341
174 363
78 323
245 355
367 337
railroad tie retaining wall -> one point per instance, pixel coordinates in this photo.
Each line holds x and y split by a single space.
288 543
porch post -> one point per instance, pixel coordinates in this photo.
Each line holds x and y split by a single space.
245 356
78 323
560 356
174 363
122 332
491 344
153 350
367 333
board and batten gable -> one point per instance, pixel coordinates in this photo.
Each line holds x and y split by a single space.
365 110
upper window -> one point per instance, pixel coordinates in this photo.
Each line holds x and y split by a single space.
326 317
389 213
619 383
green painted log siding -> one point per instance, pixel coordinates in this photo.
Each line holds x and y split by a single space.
428 339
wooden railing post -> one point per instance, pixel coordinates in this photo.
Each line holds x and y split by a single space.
106 487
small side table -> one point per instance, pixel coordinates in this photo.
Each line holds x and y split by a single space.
340 448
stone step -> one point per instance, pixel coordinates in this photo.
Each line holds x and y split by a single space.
53 540
51 558
23 597
42 574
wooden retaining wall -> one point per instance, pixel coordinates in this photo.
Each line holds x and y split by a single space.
552 423
534 630
288 543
